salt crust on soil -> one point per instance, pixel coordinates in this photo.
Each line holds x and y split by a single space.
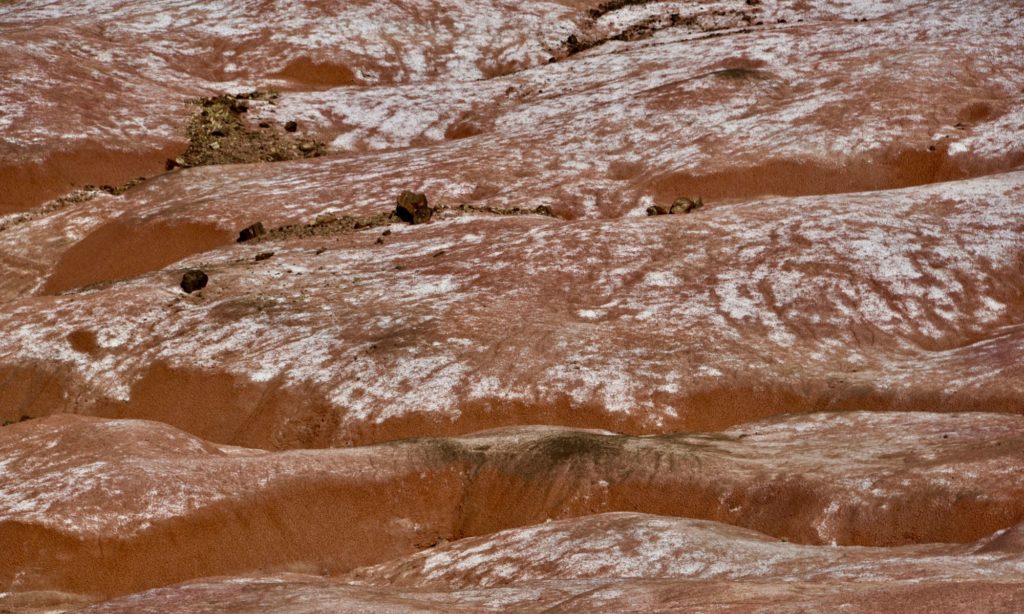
911 296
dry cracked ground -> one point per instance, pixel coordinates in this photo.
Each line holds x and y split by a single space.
545 395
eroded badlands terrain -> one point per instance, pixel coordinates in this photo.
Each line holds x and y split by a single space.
805 395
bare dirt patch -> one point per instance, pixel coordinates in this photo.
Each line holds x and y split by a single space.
120 250
220 133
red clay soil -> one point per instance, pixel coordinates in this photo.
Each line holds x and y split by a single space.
108 507
885 171
26 184
306 74
120 250
806 395
901 300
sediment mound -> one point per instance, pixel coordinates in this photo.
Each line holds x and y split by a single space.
108 507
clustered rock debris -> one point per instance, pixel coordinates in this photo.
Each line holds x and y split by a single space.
682 204
411 208
706 21
220 134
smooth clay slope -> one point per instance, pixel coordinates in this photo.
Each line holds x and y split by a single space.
101 507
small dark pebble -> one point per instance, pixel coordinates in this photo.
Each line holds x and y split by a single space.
193 279
291 126
379 241
264 125
263 256
321 250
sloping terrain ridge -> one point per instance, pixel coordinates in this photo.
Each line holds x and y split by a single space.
802 390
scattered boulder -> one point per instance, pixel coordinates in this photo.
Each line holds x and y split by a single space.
194 279
413 208
682 204
686 205
263 256
251 232
291 126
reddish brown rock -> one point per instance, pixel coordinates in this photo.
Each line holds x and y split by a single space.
413 208
251 232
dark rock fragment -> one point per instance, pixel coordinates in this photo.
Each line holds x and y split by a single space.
657 210
263 256
193 279
291 126
413 208
686 205
251 232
